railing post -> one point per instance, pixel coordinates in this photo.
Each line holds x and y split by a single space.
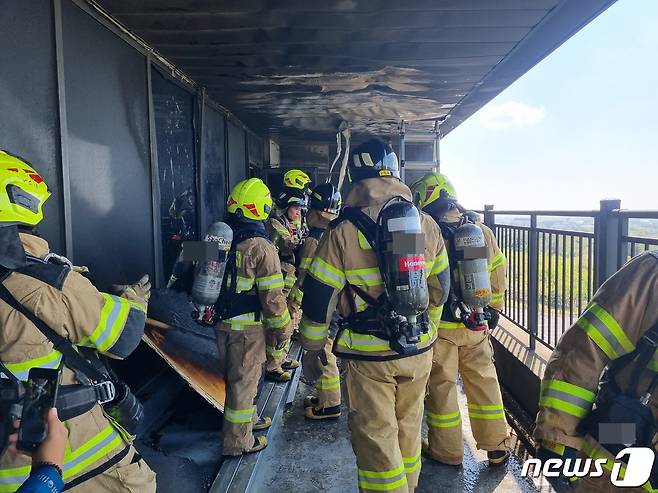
606 241
490 217
624 247
533 282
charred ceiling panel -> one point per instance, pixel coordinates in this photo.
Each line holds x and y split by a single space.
299 68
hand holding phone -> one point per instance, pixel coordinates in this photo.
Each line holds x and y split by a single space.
40 395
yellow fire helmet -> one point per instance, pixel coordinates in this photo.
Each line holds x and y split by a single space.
250 199
296 178
432 187
22 192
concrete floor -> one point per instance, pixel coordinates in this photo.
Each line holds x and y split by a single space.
317 457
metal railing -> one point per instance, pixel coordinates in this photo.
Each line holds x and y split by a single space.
554 271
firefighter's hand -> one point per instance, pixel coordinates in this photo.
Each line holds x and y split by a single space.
139 292
312 364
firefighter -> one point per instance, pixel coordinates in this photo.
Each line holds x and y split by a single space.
324 207
99 456
285 229
385 388
462 350
251 300
617 330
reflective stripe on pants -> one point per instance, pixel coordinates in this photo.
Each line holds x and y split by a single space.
468 353
241 355
385 402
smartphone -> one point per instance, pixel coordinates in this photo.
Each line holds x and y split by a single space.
40 395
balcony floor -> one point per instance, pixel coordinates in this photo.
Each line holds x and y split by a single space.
305 456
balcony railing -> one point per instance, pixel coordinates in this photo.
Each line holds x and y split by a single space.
557 259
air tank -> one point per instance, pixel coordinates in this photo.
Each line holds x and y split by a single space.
403 259
472 266
208 275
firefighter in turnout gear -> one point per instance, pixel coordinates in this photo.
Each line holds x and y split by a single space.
47 289
285 229
387 362
618 331
324 207
460 349
252 308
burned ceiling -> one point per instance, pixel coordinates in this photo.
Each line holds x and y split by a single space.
300 67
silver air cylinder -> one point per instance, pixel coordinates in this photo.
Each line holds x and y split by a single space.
208 274
473 269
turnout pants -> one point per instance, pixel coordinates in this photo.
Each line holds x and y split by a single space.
328 385
277 347
241 356
124 477
385 401
468 353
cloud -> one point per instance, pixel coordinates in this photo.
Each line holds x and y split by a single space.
511 114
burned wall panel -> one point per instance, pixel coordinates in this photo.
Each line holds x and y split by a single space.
237 159
108 145
174 127
213 180
29 126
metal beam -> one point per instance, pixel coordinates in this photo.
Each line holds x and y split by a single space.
155 183
63 129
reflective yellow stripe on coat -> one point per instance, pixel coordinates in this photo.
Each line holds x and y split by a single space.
605 331
75 461
114 315
21 370
566 397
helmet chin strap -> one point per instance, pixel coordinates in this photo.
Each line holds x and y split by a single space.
12 254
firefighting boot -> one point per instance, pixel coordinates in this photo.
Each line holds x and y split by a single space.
332 412
311 401
278 375
260 442
425 446
498 457
290 364
262 424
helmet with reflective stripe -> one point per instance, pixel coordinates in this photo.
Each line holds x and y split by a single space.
22 192
326 198
372 159
431 188
297 179
250 199
290 196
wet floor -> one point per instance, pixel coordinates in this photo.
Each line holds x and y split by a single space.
317 456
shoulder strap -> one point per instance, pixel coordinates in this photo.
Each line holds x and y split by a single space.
640 356
72 358
362 221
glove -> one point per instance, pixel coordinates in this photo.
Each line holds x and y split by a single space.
494 317
551 450
139 292
312 364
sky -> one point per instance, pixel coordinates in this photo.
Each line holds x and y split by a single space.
580 126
